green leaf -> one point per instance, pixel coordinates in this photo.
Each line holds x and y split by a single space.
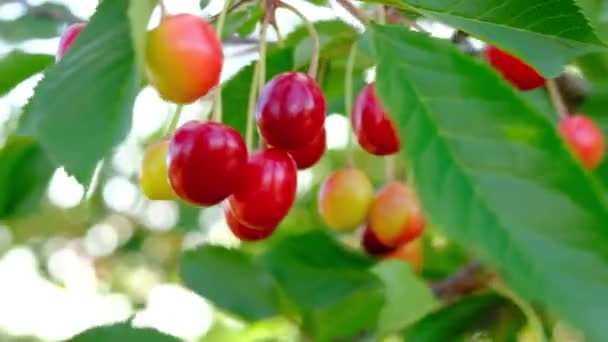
243 20
232 280
18 66
122 332
454 320
204 4
520 27
83 107
495 176
139 13
408 298
24 175
328 283
596 11
40 22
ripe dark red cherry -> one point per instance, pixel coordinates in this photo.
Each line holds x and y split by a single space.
67 38
266 190
310 154
243 232
372 245
514 70
290 111
206 160
585 139
374 128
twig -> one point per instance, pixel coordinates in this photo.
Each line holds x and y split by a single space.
354 11
556 99
467 280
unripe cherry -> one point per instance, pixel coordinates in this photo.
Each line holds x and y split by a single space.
585 138
310 154
514 70
184 58
409 252
67 39
372 245
206 161
291 111
154 180
242 231
373 126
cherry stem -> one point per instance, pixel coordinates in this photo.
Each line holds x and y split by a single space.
354 11
314 59
174 120
262 47
556 99
348 101
217 111
163 8
389 168
251 108
381 14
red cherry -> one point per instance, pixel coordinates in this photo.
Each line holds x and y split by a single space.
205 162
290 111
374 128
585 139
267 189
514 70
67 38
310 154
244 232
372 245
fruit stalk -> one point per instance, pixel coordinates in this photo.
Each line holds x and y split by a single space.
262 46
348 101
556 99
174 121
354 11
314 58
163 8
251 108
217 112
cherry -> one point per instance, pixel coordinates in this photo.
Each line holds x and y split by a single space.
395 216
373 126
585 138
184 58
409 252
67 38
514 70
242 231
310 154
154 179
205 162
345 198
291 111
372 245
266 190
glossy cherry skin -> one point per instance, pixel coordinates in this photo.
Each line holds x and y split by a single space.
409 252
67 38
291 111
395 216
345 198
310 154
183 58
585 138
206 160
517 72
373 126
266 190
372 245
154 180
242 231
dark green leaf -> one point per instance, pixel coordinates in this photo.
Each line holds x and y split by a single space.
122 332
43 21
18 66
232 280
243 20
596 11
520 27
495 176
204 4
408 298
24 175
82 108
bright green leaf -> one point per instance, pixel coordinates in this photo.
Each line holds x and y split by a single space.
408 298
122 332
242 21
521 27
495 176
18 66
82 108
139 15
232 280
24 175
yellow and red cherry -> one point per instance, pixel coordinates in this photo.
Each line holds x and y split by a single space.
266 189
345 198
517 72
585 139
373 126
310 154
183 58
67 39
206 160
154 180
242 231
372 245
395 216
291 111
409 252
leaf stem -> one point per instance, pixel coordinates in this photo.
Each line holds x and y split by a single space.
251 108
174 121
354 11
348 102
314 59
217 110
556 99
